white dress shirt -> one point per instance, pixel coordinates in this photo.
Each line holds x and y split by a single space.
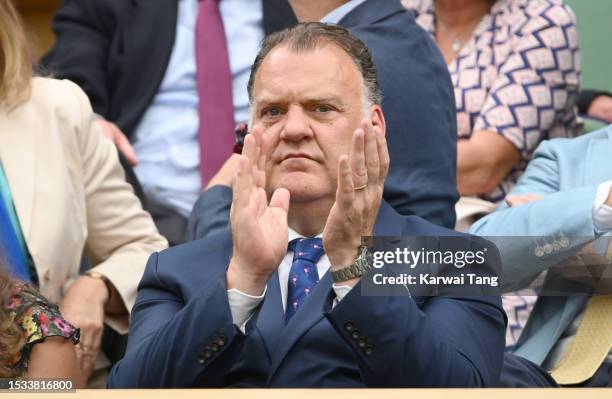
602 213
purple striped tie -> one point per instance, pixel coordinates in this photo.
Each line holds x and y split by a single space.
216 109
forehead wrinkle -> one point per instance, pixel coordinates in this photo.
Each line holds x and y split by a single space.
279 92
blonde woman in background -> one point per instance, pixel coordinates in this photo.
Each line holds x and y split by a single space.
64 193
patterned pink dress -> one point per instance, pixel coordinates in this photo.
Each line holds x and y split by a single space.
518 75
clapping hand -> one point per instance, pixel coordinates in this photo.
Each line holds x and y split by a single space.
259 228
361 179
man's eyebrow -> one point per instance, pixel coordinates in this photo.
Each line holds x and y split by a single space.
331 99
270 100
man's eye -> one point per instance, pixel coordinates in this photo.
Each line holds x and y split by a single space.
273 112
322 108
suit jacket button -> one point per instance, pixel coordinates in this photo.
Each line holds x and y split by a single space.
221 340
355 334
361 343
207 354
201 360
214 347
349 326
368 351
548 248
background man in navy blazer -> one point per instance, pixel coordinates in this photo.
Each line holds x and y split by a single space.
123 52
223 311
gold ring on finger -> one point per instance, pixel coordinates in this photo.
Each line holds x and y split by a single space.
360 187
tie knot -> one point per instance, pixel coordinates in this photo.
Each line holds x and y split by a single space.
307 248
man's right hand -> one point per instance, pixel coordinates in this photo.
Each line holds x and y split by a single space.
259 228
114 134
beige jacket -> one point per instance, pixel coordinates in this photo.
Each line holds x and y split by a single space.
70 193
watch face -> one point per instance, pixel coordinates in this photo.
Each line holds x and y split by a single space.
366 257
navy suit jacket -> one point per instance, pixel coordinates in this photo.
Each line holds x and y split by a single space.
182 333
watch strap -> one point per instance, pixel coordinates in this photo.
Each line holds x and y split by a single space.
358 268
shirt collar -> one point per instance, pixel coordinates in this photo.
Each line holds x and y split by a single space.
336 15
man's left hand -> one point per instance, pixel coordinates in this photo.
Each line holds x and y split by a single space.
83 306
361 179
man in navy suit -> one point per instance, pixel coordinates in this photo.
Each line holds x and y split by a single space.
239 309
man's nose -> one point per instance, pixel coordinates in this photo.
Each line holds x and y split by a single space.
296 126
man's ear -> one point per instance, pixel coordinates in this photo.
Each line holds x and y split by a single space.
378 118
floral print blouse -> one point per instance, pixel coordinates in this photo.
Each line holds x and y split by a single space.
37 319
518 75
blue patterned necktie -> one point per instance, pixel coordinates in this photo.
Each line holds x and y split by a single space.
303 276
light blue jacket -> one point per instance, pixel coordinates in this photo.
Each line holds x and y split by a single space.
566 172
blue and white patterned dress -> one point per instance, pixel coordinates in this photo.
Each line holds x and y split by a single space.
518 75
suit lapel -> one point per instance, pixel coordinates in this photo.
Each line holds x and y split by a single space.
270 320
371 11
549 319
305 318
277 15
148 38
